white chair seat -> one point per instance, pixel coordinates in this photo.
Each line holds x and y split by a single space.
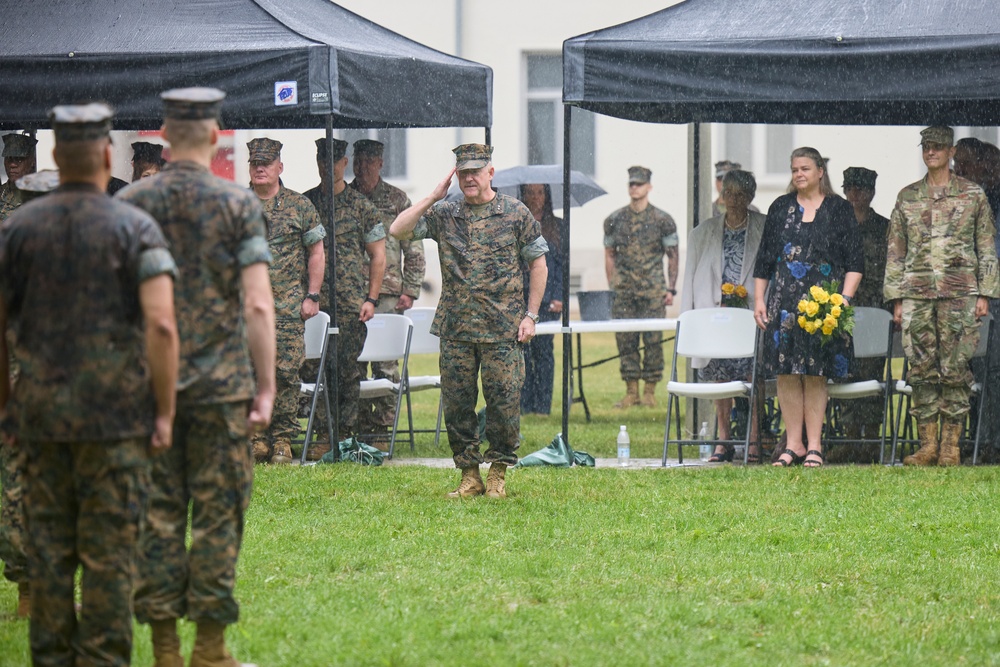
856 389
712 390
307 388
903 388
378 387
421 382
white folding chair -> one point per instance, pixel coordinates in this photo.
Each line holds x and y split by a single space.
711 333
905 390
388 340
872 338
423 342
317 337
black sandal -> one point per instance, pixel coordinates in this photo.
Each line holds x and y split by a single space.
814 463
724 457
795 458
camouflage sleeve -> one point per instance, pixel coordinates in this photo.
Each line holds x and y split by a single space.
669 235
154 262
254 250
535 249
310 221
429 224
313 236
414 266
371 222
609 228
895 255
986 252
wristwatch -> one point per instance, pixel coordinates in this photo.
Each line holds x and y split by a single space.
532 316
672 291
372 301
314 296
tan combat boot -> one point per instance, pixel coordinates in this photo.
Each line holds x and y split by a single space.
927 455
317 450
495 483
210 647
470 486
166 644
282 452
631 395
649 395
23 600
261 450
951 431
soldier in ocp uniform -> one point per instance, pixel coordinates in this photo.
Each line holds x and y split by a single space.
96 391
294 234
484 242
358 235
18 161
636 238
217 231
941 270
404 268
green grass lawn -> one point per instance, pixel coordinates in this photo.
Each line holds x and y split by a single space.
849 565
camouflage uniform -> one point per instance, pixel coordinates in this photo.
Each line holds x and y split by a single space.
639 241
404 273
82 410
292 227
358 223
868 411
940 258
483 251
10 198
216 230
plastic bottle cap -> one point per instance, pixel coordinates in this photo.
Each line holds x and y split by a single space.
623 427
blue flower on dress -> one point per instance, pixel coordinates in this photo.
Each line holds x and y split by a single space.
787 319
798 269
787 250
776 338
840 365
825 269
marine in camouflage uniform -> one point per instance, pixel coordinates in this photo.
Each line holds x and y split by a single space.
19 160
636 238
484 243
358 234
863 416
404 270
294 233
217 231
941 267
83 409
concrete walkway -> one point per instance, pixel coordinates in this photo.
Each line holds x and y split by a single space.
634 464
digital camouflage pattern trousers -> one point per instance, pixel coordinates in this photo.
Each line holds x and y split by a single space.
12 461
650 366
209 467
83 505
939 339
500 366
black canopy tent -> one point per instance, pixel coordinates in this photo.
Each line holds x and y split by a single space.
126 53
844 62
282 64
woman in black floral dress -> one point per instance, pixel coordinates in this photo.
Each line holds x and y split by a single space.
810 237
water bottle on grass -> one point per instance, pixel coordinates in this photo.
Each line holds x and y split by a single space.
704 449
623 446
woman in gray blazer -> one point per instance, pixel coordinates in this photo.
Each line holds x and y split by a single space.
722 251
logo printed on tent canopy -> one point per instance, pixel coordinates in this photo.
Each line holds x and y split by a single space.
286 93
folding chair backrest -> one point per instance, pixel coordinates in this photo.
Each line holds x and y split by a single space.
316 332
984 336
871 332
716 333
388 336
423 341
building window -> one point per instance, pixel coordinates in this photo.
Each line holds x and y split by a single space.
544 117
989 135
763 149
393 156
